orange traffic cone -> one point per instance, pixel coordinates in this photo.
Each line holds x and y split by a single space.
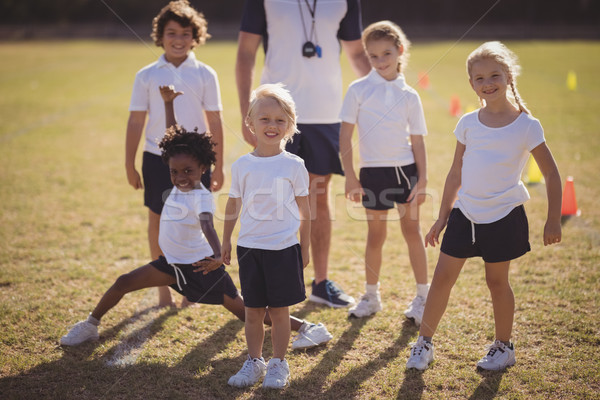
455 107
423 80
569 203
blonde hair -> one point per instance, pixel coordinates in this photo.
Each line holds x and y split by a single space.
508 61
387 30
282 96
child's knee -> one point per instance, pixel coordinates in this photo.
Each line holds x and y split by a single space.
123 283
497 284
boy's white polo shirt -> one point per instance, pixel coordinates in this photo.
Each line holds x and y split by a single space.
268 187
492 165
196 80
386 114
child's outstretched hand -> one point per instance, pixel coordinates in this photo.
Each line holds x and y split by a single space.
552 233
433 237
354 190
208 264
168 93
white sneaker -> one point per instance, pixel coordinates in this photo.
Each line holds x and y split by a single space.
368 305
415 310
278 374
421 355
251 372
79 333
498 357
311 335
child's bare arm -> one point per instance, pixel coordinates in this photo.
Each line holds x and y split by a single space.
208 228
544 159
169 94
135 128
232 211
215 127
418 148
304 210
354 190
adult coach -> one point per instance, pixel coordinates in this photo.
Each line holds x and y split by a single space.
302 40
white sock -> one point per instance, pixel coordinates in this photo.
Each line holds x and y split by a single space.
422 290
93 320
372 289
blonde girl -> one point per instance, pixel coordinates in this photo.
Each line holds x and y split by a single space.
483 198
393 163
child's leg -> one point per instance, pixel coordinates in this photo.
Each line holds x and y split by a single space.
236 306
445 275
377 232
140 278
280 330
503 299
411 230
164 294
255 331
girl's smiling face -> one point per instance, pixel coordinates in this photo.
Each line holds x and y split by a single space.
177 42
186 172
384 57
489 80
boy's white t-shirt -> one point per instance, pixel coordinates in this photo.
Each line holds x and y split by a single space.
492 165
268 187
386 114
200 87
180 236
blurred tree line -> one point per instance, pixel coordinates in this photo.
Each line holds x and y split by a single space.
416 12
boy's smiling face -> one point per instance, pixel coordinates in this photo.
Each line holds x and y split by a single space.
177 42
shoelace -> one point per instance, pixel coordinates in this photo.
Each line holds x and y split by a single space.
332 289
418 348
495 347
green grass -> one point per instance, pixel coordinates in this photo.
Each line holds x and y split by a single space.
70 224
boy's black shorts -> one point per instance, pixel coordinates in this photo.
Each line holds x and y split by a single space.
197 287
503 240
271 278
157 181
386 186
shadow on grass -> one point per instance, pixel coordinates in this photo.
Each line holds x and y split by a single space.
78 374
488 388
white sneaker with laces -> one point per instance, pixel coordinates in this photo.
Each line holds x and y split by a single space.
79 333
251 372
278 374
369 304
415 310
311 335
498 357
421 355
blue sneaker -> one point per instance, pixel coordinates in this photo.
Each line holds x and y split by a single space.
329 293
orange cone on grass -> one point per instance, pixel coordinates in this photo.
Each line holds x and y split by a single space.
569 203
455 107
423 80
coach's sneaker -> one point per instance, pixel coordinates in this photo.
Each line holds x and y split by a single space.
252 371
79 333
369 304
329 293
415 310
278 374
311 335
498 357
421 355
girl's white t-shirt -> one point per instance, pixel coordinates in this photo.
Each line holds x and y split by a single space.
494 159
386 113
180 236
268 187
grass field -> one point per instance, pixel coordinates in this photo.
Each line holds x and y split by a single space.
70 224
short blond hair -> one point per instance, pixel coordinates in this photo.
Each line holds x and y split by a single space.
387 30
282 96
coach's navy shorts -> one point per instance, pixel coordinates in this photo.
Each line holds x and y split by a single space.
157 181
386 186
271 278
197 287
319 146
503 240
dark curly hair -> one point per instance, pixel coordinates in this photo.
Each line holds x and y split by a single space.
179 141
185 15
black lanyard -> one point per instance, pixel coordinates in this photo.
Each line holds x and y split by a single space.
309 49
